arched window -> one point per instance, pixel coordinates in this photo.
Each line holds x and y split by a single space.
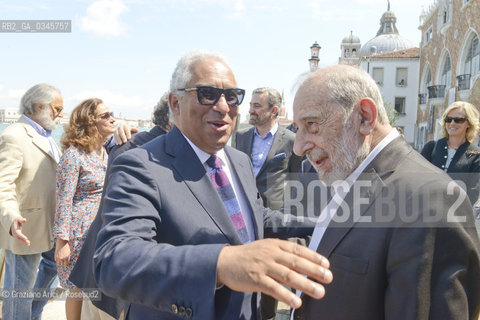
447 72
472 60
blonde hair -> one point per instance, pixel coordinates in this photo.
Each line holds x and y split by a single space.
471 114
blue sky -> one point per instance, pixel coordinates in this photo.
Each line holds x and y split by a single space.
124 51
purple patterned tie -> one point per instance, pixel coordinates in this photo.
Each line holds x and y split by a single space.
225 190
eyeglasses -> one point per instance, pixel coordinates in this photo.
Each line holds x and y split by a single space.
58 108
106 115
456 119
209 96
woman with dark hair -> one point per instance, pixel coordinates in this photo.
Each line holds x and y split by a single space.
455 153
80 177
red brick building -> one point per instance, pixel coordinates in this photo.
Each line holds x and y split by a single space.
449 62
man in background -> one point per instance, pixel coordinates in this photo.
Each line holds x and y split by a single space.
269 146
28 163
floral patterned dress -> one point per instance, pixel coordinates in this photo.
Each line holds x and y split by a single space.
80 178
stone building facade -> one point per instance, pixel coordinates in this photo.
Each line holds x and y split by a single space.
449 62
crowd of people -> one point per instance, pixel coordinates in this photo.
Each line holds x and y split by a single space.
176 223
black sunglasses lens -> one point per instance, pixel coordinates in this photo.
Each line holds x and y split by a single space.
457 120
208 95
234 97
107 115
211 95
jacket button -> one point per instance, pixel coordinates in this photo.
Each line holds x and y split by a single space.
181 311
445 157
188 312
443 166
174 308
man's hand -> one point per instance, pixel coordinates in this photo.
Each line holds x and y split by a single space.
265 265
123 133
62 252
16 231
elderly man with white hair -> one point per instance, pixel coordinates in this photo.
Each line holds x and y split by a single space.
28 164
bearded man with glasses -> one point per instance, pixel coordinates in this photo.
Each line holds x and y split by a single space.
28 163
183 217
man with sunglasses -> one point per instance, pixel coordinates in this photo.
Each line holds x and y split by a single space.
182 215
28 163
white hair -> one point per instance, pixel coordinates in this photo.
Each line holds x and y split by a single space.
40 94
183 73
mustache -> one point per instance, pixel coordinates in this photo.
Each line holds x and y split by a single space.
316 154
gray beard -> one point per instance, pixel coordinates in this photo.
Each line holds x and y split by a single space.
46 121
351 152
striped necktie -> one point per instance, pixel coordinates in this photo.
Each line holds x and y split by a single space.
226 193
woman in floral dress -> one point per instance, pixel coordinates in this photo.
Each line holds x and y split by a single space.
80 176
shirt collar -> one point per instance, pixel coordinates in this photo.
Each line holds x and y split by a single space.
41 131
203 156
271 132
379 147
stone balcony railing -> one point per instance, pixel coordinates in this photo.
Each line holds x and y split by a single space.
435 92
463 82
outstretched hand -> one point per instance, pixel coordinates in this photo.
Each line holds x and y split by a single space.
265 265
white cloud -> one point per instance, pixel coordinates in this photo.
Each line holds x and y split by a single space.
103 18
130 107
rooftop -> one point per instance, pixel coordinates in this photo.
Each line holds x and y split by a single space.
404 53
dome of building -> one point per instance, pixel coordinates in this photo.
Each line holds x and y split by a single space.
388 39
351 39
385 43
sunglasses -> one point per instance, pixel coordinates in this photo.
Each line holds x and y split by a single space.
456 119
106 115
209 96
58 108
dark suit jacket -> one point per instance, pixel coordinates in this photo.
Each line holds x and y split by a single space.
164 226
280 162
415 261
82 273
465 165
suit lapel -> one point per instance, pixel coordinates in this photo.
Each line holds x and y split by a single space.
276 144
336 231
377 172
39 141
249 141
194 175
242 173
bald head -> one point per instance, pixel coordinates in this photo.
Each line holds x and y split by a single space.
340 117
343 86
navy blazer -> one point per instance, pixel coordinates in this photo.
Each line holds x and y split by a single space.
164 227
465 165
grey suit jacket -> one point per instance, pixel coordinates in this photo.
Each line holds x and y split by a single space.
281 163
415 261
164 226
